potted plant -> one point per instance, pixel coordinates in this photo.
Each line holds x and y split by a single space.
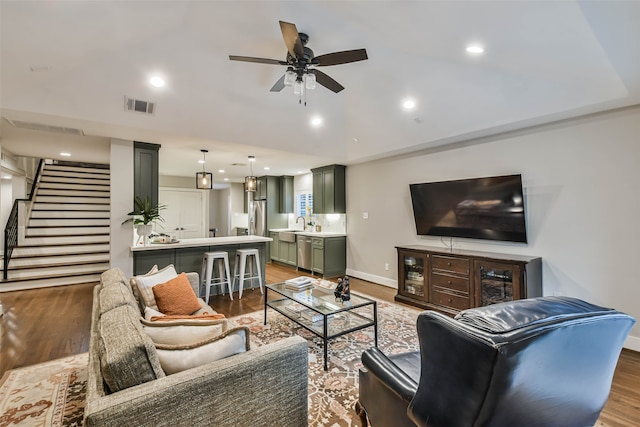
144 215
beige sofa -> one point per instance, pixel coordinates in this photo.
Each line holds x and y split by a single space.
265 386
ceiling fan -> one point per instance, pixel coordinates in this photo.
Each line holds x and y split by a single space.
301 62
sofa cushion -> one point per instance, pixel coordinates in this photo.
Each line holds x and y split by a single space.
114 295
112 276
177 358
146 282
150 312
176 296
127 354
183 332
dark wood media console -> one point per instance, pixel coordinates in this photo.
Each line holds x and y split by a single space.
453 280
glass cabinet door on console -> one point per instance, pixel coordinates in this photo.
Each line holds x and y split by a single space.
497 282
413 267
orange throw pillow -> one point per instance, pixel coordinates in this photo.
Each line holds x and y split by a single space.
176 296
204 316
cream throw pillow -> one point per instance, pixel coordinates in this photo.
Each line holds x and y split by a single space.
183 333
177 358
134 284
149 280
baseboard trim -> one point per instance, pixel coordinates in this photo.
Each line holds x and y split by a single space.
391 283
632 343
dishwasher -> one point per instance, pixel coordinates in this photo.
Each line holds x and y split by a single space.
304 252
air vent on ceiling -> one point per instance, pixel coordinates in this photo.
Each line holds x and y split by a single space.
139 106
45 128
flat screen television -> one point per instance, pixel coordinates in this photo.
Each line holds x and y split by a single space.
489 208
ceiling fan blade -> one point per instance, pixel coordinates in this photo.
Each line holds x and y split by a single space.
291 39
279 85
328 82
343 57
256 60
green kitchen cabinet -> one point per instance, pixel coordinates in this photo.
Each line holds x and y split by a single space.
287 252
329 256
286 194
268 188
329 189
274 246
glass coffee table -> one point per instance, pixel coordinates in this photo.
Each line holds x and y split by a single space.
318 311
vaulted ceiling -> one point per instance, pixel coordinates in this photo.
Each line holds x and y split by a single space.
71 64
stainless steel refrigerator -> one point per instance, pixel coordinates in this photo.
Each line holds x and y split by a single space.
258 218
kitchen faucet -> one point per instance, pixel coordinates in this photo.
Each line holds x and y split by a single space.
302 218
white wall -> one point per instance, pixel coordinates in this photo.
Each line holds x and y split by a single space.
121 160
219 205
238 218
581 180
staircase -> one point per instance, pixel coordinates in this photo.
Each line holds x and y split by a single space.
67 234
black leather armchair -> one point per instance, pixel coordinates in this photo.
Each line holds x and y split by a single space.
538 362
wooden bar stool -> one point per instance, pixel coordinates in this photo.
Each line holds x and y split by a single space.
253 257
209 262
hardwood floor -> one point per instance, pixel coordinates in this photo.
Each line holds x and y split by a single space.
45 324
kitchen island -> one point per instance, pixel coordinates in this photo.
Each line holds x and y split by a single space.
186 255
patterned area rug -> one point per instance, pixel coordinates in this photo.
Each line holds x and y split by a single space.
53 393
333 393
46 394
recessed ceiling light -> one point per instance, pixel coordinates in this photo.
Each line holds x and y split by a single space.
356 140
300 171
408 104
226 179
316 121
6 176
267 168
220 170
201 161
475 49
65 154
156 81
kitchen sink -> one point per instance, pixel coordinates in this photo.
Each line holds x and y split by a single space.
287 236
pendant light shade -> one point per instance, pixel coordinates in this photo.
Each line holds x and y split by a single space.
250 181
204 180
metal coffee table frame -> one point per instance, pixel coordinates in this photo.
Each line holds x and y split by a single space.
338 318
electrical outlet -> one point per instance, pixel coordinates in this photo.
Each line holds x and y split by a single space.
386 266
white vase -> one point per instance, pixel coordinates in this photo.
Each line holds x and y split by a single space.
144 230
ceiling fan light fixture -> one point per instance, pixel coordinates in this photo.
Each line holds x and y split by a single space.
310 80
298 86
289 77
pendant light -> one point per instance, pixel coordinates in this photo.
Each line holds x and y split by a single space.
204 180
250 181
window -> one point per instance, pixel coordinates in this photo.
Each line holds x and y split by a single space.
302 201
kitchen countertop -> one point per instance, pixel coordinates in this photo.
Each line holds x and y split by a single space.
208 241
310 233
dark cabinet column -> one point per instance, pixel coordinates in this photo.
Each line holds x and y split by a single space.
145 170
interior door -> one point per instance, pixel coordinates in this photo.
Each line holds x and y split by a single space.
191 215
171 215
184 214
